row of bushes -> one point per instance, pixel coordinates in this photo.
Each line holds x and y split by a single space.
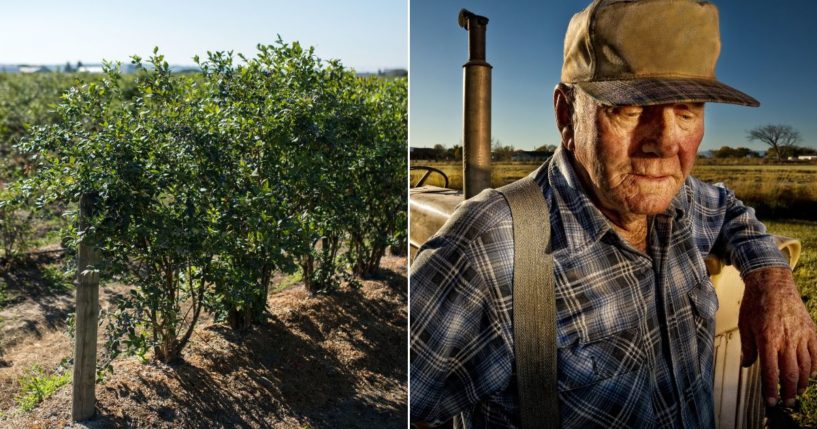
25 100
205 185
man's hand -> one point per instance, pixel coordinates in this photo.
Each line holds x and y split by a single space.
774 323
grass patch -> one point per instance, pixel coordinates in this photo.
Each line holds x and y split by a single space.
775 191
55 279
288 281
805 273
49 237
36 386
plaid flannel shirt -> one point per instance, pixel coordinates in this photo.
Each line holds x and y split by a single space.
635 330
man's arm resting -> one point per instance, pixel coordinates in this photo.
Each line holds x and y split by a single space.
775 325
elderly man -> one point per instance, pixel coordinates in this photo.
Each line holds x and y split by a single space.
629 232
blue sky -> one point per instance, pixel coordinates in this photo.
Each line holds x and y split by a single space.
769 50
365 34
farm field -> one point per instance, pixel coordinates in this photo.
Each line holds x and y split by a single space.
779 191
236 221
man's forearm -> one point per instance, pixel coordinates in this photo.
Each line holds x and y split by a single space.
775 325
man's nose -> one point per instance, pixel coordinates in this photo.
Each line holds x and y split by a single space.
659 136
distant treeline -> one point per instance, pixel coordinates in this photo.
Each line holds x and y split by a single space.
499 152
728 152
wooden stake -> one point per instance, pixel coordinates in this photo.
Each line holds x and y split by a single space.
87 300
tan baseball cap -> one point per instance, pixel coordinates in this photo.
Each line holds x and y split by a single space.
643 52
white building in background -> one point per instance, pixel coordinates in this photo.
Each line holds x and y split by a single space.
90 69
33 69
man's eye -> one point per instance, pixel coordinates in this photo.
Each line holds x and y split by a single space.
629 113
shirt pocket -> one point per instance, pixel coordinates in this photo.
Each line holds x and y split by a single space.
600 356
704 300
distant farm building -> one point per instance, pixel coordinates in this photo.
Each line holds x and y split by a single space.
33 69
90 69
530 155
806 157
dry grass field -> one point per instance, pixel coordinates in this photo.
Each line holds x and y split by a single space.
502 172
775 191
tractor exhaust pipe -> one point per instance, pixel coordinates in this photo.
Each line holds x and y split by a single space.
476 136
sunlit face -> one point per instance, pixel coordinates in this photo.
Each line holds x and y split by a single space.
635 158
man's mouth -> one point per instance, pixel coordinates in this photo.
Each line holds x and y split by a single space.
652 176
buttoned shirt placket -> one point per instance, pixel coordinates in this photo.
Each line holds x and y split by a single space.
689 368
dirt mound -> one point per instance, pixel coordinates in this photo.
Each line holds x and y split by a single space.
336 360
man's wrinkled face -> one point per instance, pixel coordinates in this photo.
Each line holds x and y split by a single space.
635 158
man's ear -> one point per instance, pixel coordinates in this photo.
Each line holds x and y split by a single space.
564 114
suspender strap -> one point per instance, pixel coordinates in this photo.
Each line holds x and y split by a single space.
534 305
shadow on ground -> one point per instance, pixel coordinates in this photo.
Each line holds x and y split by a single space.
38 297
336 360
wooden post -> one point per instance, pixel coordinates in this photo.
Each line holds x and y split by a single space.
87 300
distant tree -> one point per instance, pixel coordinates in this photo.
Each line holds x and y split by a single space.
745 152
546 148
439 152
455 153
501 152
794 151
800 150
723 152
396 73
779 137
68 68
729 152
79 66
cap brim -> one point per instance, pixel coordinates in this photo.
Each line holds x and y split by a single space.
650 91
